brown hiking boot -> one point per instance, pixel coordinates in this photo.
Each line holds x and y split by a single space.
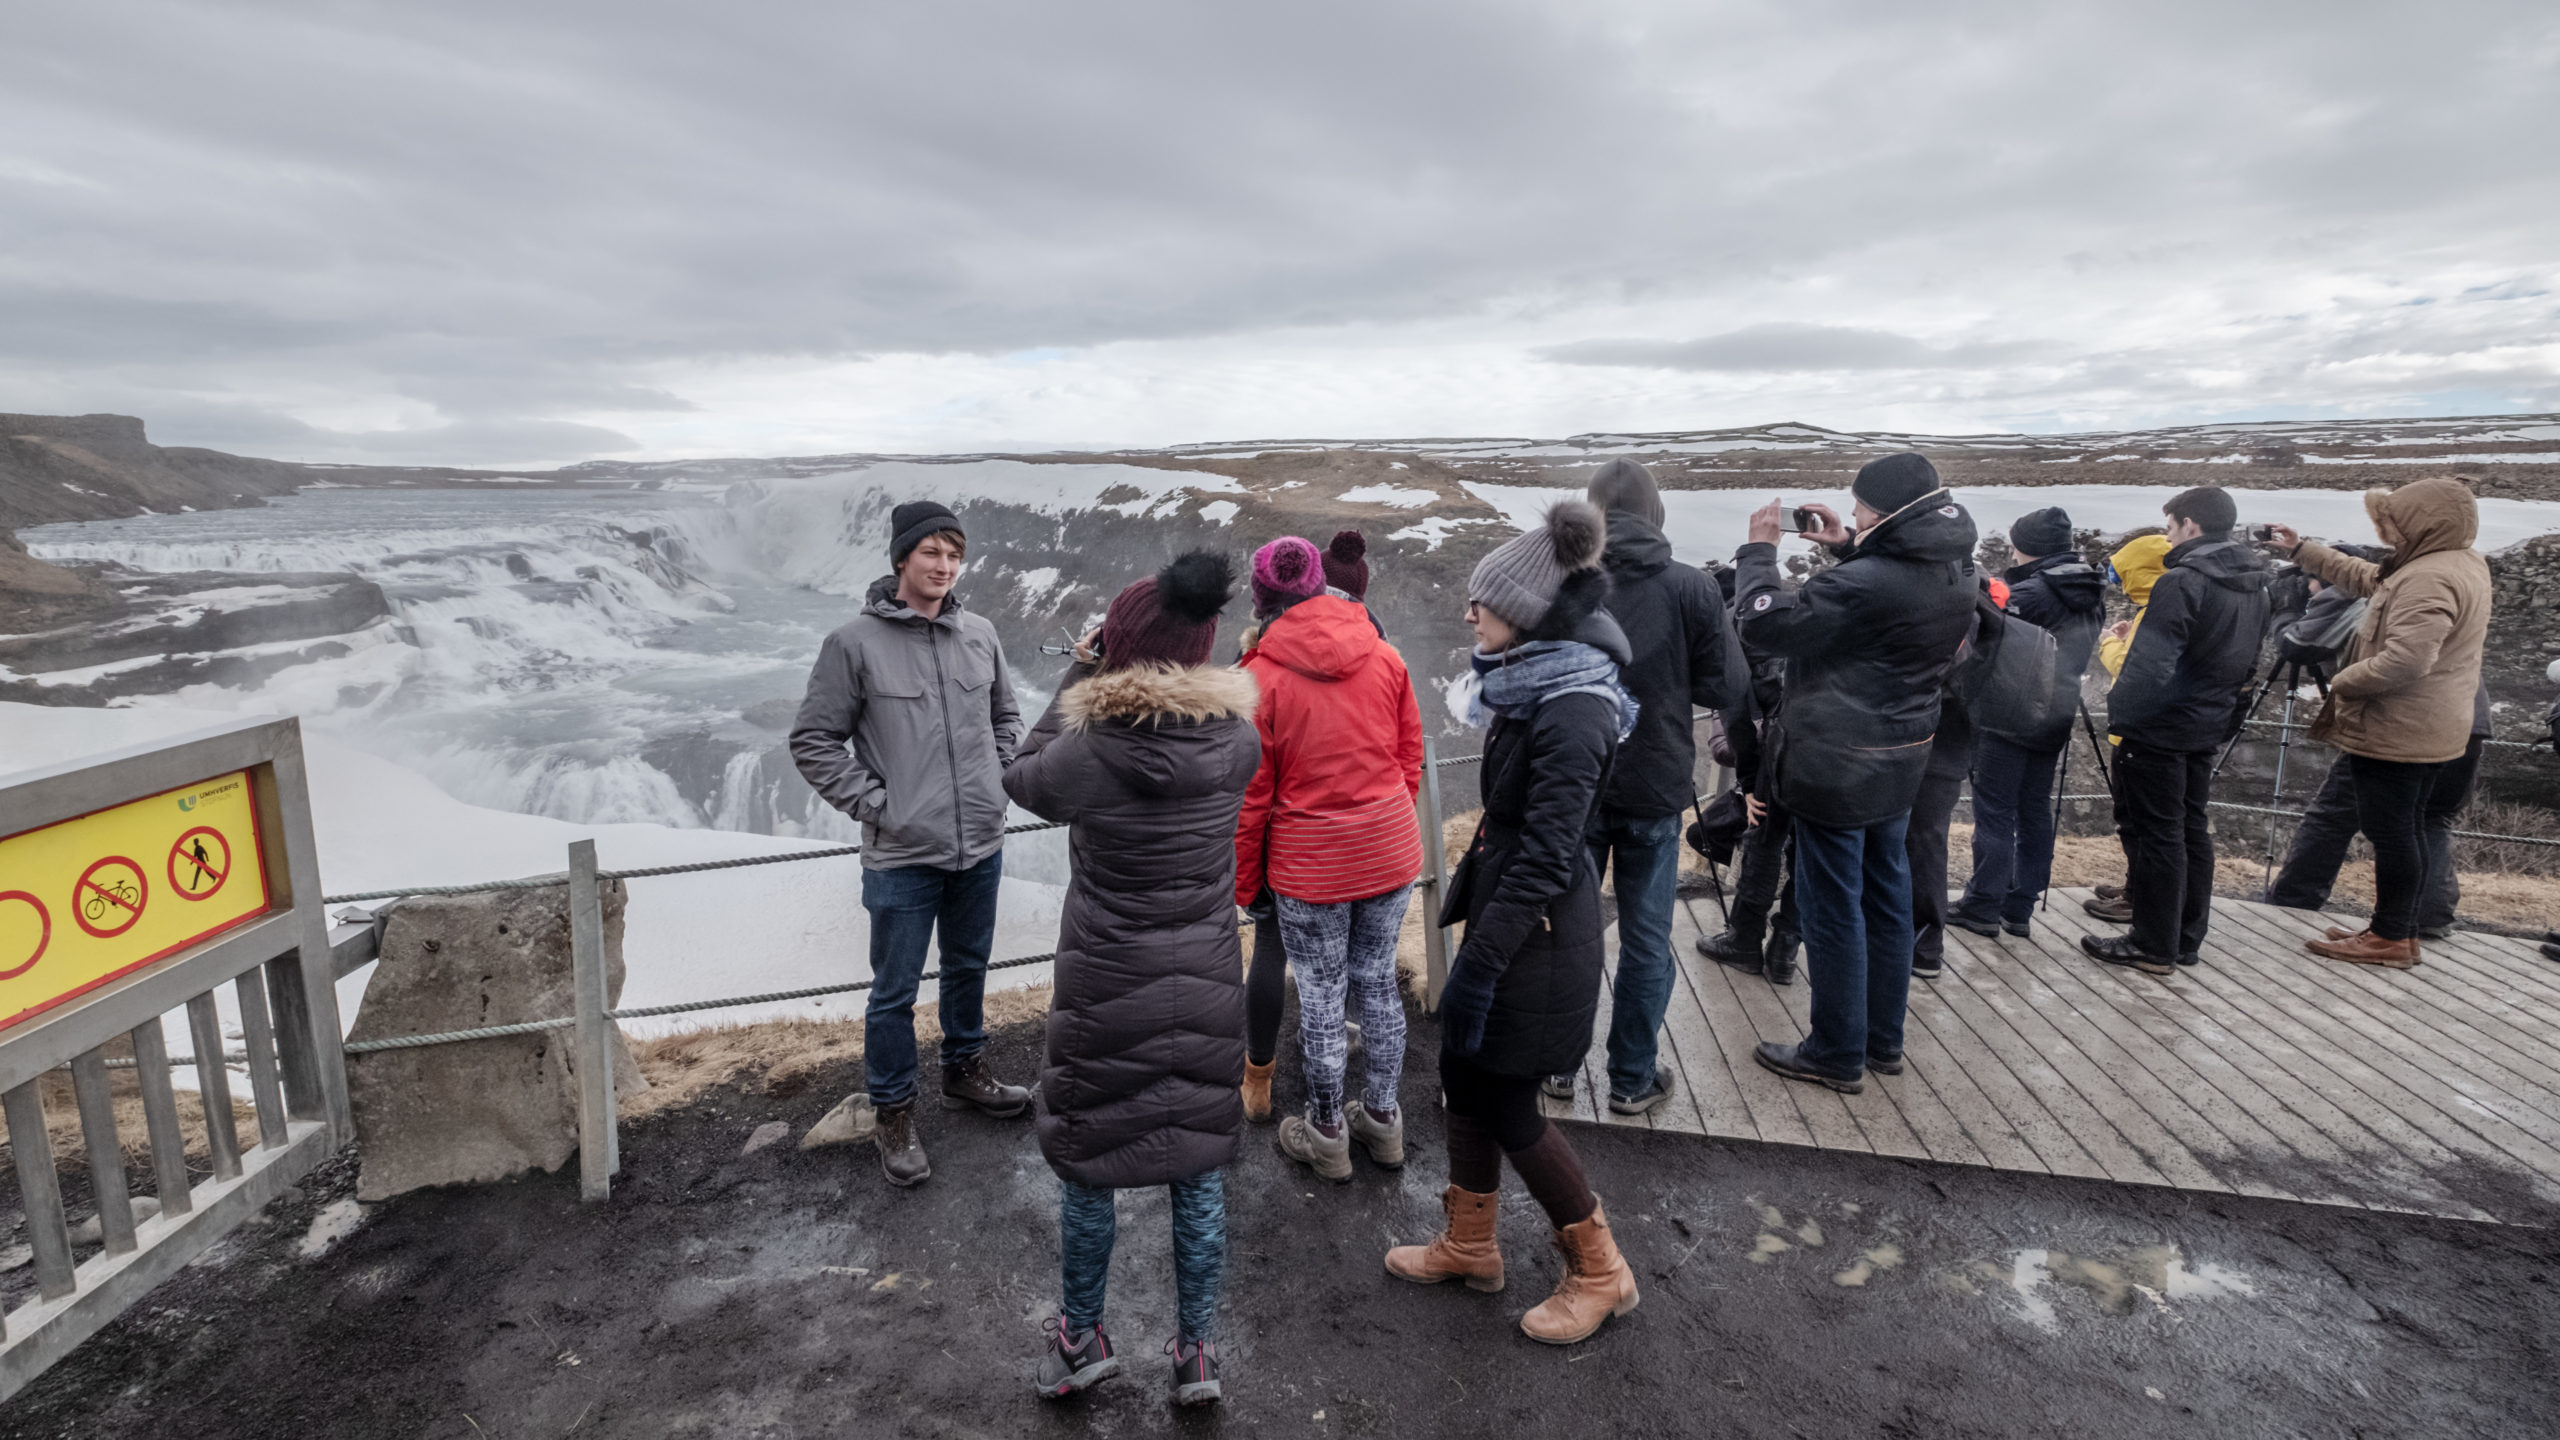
1463 1250
2368 948
2341 932
901 1153
1257 1092
970 1085
2113 908
1596 1285
2109 892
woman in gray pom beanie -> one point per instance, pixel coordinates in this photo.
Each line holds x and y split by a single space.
1525 986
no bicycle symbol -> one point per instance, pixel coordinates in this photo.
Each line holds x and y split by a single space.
109 897
199 863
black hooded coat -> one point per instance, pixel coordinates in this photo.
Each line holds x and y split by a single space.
2064 595
1148 766
1868 644
2186 673
1684 655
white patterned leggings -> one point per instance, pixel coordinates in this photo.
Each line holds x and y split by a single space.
1345 952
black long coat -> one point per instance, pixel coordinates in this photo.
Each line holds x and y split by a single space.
1683 654
1527 889
1148 767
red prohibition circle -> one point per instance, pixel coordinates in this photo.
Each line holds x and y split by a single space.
111 901
182 856
44 931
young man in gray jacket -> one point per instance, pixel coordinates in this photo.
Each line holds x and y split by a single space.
908 725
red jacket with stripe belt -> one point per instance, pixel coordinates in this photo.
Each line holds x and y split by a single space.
1329 816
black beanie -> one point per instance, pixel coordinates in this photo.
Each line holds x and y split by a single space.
1888 484
911 522
2207 505
2041 532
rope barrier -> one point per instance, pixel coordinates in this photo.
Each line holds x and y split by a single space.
2299 814
530 1027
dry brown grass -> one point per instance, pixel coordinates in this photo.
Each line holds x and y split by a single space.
70 1148
782 1058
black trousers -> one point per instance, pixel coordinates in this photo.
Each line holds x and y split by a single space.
2320 842
1265 983
2168 845
1765 875
1924 845
2391 806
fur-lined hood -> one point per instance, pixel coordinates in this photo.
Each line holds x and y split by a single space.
1154 694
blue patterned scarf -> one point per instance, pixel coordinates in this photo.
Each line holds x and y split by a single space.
1517 681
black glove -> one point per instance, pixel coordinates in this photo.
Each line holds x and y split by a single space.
1464 1003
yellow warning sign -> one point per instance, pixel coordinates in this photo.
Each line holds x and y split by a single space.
103 895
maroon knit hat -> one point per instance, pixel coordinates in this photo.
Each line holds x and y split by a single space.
1171 617
1284 572
1345 569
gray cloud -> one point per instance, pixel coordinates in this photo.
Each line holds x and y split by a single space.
1783 345
494 214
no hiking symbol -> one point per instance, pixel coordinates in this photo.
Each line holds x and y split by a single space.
199 862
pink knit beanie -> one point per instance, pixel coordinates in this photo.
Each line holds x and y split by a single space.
1285 571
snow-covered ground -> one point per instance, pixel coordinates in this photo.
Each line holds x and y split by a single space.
688 937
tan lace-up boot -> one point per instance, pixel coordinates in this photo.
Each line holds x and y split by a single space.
1465 1248
1596 1285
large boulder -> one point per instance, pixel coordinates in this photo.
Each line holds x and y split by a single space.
476 1110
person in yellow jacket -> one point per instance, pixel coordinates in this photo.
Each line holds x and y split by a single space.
2137 565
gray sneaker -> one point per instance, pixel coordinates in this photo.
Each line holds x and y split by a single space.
1301 1141
1650 1098
1066 1368
1195 1372
1384 1140
1558 1087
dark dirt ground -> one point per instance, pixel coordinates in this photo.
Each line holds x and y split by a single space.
712 1297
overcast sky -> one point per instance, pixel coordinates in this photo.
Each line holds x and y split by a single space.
510 233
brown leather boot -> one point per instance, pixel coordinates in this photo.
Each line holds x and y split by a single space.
1596 1285
1463 1250
1257 1092
2341 932
2367 948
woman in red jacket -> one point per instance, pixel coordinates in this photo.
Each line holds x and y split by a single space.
1328 826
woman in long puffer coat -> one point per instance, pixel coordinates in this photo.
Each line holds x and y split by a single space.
1145 754
1525 985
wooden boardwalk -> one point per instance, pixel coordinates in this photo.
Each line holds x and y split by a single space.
2264 1071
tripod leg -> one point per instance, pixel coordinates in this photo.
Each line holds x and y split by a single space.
2284 747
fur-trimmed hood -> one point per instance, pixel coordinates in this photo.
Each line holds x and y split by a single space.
1156 694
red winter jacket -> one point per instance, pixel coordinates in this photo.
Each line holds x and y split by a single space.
1329 816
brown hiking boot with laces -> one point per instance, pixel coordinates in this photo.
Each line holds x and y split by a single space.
1465 1248
970 1085
901 1153
2367 948
1596 1285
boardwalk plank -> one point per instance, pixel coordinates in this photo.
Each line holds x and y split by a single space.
1825 1112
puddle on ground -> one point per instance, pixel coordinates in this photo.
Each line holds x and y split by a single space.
335 1222
1810 1232
1766 1246
1869 1262
2148 1275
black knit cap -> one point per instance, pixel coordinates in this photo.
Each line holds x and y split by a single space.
911 522
2039 533
1888 484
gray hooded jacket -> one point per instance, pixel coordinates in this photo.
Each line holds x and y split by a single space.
907 727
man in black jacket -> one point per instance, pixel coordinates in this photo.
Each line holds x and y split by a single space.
2175 704
1685 655
2056 590
1868 645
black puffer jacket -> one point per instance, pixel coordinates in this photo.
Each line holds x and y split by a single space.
1868 645
1684 655
1148 767
2186 673
1526 888
2065 596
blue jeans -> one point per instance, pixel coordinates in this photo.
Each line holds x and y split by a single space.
2012 830
1089 1223
907 905
1854 890
1647 879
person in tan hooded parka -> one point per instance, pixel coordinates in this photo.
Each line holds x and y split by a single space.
2402 706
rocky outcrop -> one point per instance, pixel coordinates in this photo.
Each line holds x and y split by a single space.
97 467
479 1110
123 632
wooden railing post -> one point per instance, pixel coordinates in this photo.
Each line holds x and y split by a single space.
597 1157
1435 940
